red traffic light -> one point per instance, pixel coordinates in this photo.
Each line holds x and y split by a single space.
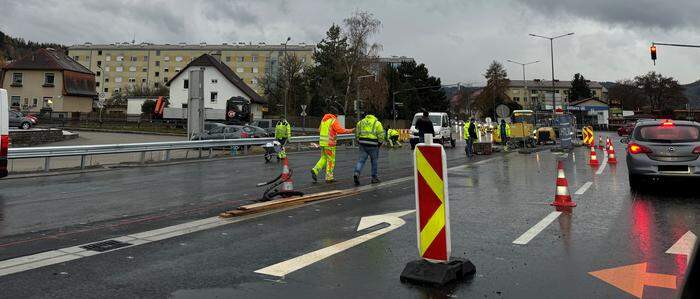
653 52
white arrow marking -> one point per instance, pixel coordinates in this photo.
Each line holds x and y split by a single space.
283 268
684 245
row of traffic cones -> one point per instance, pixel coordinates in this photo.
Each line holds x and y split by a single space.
562 198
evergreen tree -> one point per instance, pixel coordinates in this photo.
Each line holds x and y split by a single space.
579 88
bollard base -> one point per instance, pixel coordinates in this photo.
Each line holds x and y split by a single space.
422 272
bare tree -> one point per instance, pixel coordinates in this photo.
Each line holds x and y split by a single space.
359 28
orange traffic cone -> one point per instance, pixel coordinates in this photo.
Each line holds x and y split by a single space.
594 158
608 143
600 142
288 184
562 197
611 155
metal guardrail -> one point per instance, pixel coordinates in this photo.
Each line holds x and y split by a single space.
87 150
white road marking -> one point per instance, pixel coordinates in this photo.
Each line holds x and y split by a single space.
583 188
602 165
283 268
684 245
535 230
47 258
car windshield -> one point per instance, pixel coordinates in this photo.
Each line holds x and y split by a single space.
668 134
436 119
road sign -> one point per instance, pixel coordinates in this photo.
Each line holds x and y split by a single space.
502 111
303 108
303 113
231 114
588 137
432 200
102 96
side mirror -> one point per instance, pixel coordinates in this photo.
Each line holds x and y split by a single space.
625 140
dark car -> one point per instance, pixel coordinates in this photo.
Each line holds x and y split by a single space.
20 121
249 131
626 129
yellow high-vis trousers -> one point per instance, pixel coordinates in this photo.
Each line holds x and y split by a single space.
327 160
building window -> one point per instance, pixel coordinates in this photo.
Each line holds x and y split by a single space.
132 68
76 58
157 52
144 69
98 73
145 58
239 70
255 70
35 102
228 58
106 89
119 68
46 102
254 58
214 81
156 84
533 91
157 63
87 57
254 81
117 89
14 101
132 80
106 69
556 91
240 59
185 84
594 93
99 63
165 79
166 58
165 70
143 80
178 58
118 79
134 58
108 58
48 79
97 84
120 58
213 96
177 70
16 79
517 99
157 74
99 52
106 80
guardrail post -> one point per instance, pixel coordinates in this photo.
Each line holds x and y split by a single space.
167 155
143 158
200 153
47 164
82 162
210 150
245 149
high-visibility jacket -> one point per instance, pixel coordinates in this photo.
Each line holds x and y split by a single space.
466 129
283 130
507 129
370 131
393 132
329 129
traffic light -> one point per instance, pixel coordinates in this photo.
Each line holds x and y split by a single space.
653 53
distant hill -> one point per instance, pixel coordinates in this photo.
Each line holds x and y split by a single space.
692 91
12 48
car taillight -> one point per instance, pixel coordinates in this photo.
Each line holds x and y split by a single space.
634 149
667 123
696 150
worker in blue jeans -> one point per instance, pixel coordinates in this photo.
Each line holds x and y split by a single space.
370 134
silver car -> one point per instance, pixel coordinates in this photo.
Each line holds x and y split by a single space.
663 149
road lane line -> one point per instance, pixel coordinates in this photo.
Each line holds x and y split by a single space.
535 230
583 188
684 246
602 165
52 257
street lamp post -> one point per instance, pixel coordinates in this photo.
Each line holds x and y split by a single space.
289 78
524 80
551 54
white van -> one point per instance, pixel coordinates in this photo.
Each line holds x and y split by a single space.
4 131
444 132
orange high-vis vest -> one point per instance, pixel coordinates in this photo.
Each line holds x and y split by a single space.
327 135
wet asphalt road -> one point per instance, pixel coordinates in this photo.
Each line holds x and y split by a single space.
492 202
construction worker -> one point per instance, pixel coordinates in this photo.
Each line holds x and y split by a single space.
469 136
282 133
504 130
393 137
330 127
370 135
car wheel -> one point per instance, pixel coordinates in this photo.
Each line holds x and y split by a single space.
26 125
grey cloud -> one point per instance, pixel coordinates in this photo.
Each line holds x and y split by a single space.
677 14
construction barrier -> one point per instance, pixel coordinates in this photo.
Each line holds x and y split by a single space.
433 221
404 135
588 136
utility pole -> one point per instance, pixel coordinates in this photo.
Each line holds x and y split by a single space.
551 54
524 80
289 77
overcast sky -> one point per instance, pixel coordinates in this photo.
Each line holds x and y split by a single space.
455 39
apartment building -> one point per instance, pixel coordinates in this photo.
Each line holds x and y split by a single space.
121 66
531 92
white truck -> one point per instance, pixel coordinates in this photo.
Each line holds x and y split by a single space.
4 131
444 132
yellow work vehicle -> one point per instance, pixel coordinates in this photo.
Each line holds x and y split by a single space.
523 123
